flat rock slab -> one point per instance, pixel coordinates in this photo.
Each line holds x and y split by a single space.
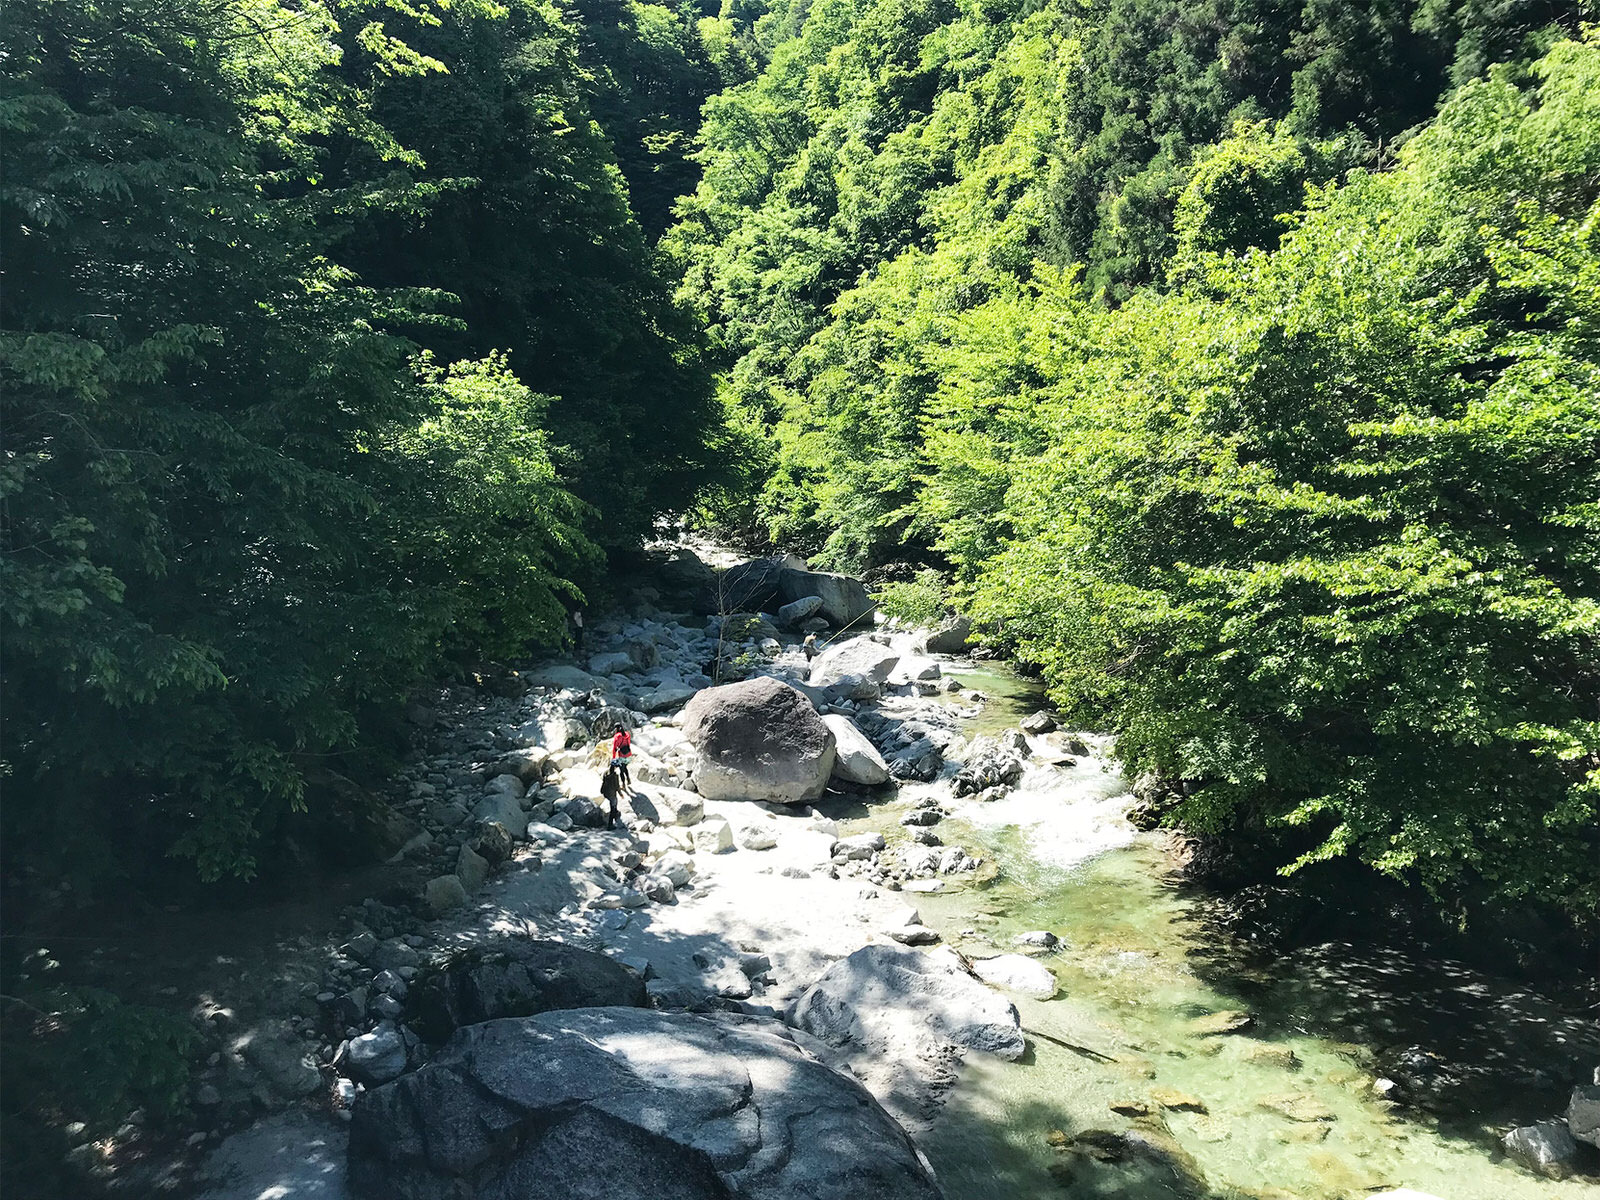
518 979
1017 973
598 1103
901 1019
293 1156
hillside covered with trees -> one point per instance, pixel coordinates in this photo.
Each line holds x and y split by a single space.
1236 365
334 356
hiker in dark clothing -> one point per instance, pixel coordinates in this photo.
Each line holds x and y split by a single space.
621 752
611 788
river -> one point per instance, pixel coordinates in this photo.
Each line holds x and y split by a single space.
1283 1108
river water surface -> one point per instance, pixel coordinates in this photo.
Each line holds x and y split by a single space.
1284 1107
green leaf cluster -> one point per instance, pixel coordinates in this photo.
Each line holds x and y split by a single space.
1240 362
331 350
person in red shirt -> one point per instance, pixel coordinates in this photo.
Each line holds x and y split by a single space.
621 752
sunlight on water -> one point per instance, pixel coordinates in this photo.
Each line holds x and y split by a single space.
1279 1108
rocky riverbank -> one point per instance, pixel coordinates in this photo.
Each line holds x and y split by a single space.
729 894
754 918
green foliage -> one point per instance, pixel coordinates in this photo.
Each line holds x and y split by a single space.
1319 534
895 165
1281 466
485 525
918 601
80 1053
237 523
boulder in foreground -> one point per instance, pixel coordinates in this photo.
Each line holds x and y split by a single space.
599 1103
517 979
759 740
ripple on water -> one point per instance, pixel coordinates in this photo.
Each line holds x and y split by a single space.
1281 1106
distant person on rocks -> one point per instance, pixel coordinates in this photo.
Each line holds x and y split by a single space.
810 646
621 752
611 788
577 630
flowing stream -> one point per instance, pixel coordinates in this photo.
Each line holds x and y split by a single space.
1285 1107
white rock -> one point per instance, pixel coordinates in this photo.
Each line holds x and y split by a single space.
713 837
855 759
757 837
667 805
859 846
545 835
1017 973
676 866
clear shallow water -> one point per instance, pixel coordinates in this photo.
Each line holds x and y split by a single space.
1288 1103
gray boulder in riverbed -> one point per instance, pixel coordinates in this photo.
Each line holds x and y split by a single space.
758 740
881 995
845 602
859 656
1547 1147
855 759
598 1103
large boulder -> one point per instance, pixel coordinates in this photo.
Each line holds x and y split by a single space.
600 1103
758 740
859 656
748 587
518 979
953 636
845 603
855 759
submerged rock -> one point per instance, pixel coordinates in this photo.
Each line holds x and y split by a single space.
1547 1147
884 997
621 1102
1017 973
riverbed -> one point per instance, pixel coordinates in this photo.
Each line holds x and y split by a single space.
1286 1106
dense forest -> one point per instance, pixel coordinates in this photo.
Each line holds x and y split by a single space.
1236 365
334 355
